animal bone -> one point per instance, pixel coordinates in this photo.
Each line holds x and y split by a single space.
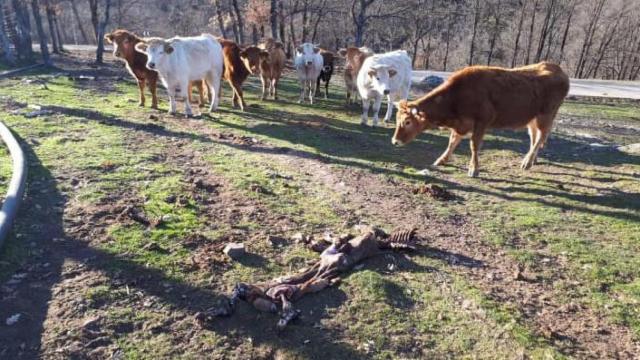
342 255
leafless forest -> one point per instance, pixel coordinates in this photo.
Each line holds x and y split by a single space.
590 38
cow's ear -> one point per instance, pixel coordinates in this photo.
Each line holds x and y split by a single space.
316 49
372 73
108 38
142 47
342 52
392 73
168 48
264 55
244 54
299 49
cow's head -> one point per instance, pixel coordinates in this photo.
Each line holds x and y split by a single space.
307 51
410 121
252 57
380 78
124 43
157 50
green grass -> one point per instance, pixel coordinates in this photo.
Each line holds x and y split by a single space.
603 111
427 309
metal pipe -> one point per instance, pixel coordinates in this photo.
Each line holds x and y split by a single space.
16 185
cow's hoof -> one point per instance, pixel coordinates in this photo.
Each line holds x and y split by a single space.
439 162
473 173
526 164
141 104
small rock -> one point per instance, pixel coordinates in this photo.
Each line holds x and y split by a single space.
170 199
13 319
234 250
630 149
276 241
153 117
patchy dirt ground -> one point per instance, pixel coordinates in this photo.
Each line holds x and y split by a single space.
120 236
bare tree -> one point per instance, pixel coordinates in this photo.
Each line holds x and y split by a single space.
74 9
5 44
516 46
42 37
476 20
100 29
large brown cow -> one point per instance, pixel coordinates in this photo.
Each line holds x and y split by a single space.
124 43
354 57
478 98
267 59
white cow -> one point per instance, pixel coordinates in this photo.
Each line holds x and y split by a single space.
180 60
309 64
381 75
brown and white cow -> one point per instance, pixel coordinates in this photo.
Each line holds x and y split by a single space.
479 98
354 58
124 43
268 60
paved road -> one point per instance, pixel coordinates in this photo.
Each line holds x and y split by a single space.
579 87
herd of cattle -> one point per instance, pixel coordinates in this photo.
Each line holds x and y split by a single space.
472 101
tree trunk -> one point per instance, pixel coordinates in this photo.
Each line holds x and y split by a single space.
240 21
273 18
56 25
566 31
101 31
494 35
76 15
319 16
5 43
254 34
52 31
219 18
588 39
305 21
44 49
360 19
514 59
24 47
281 20
476 19
533 24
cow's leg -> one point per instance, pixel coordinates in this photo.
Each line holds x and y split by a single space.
312 90
389 114
172 99
318 84
189 92
141 91
365 111
533 134
303 84
274 87
454 141
475 144
237 94
376 109
153 87
326 90
185 86
214 82
200 85
542 127
264 87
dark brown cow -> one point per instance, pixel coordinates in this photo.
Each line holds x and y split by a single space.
354 57
327 71
478 98
268 60
124 43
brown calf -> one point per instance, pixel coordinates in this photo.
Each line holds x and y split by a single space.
354 57
268 59
124 43
235 73
478 98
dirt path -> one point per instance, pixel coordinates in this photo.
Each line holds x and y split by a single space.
571 327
